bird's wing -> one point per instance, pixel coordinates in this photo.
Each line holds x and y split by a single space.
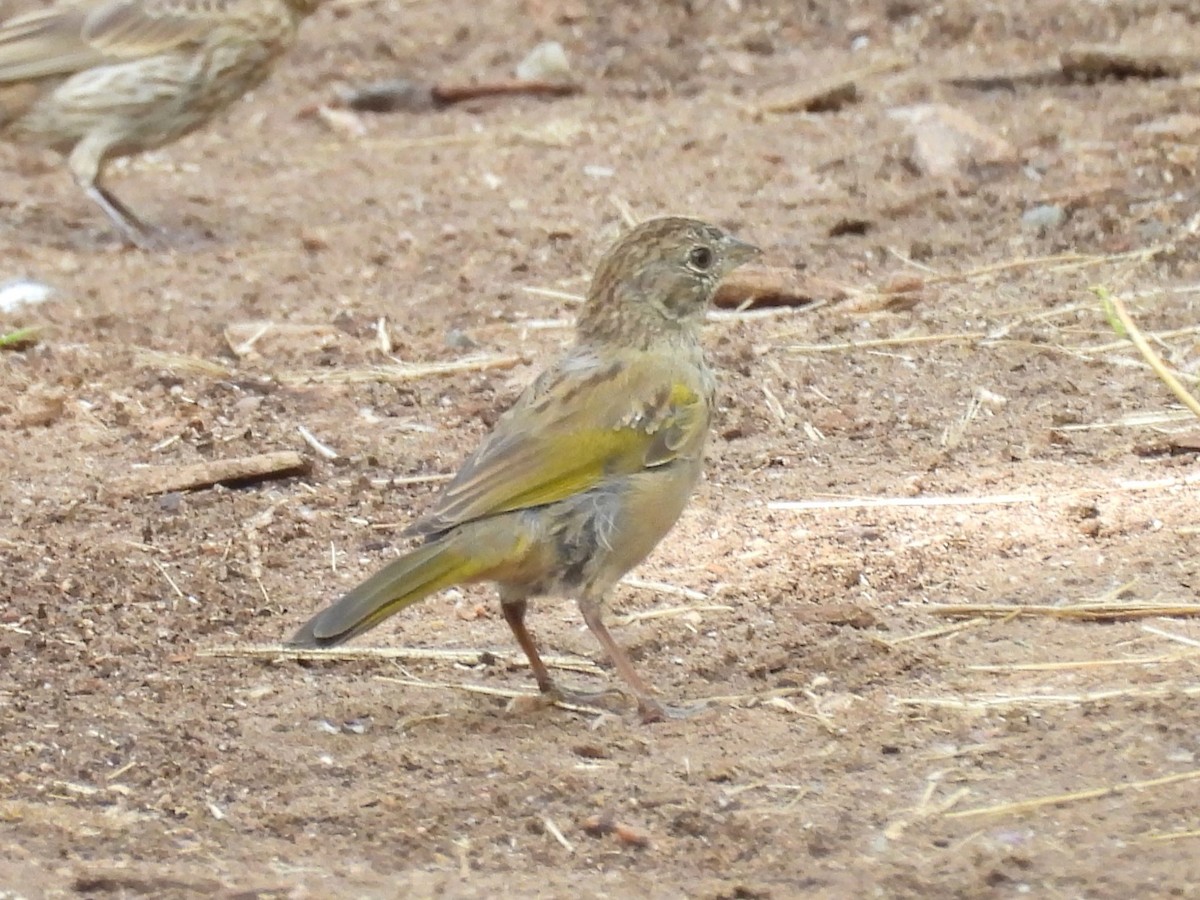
570 429
67 39
132 28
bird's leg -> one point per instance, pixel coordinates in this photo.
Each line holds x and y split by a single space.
85 162
133 230
514 615
651 710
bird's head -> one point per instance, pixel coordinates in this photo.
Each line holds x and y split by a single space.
659 277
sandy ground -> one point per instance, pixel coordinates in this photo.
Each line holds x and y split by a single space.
864 742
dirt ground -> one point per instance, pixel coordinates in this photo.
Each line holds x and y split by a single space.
864 741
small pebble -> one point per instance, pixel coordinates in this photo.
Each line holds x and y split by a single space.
545 62
1043 218
23 292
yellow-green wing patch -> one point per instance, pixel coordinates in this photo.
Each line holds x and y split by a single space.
569 431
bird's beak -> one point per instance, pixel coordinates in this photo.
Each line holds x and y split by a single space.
739 252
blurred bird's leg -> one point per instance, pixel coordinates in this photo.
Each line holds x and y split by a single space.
85 163
650 709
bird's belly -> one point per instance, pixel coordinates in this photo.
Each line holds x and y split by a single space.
142 104
588 542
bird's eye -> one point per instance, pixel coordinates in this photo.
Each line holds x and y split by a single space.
700 258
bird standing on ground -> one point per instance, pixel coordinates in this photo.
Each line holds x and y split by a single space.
590 468
100 79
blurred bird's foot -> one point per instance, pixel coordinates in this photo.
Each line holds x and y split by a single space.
652 710
134 231
610 700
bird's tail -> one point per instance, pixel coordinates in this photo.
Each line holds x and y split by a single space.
447 561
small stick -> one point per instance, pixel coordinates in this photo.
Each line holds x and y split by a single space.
404 94
827 94
321 449
240 471
446 94
557 834
771 286
1092 62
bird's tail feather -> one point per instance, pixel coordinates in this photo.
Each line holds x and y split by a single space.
407 580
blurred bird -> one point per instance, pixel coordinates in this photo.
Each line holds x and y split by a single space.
100 79
583 476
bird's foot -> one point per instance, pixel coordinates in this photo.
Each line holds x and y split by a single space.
608 701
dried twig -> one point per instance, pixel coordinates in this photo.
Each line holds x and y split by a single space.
1092 62
241 471
826 94
313 441
413 96
763 286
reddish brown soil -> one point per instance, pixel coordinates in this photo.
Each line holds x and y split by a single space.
133 764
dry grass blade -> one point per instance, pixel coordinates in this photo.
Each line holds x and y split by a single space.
1057 262
239 470
1134 420
1172 835
1071 665
1114 304
931 633
505 693
1088 612
907 341
400 371
879 502
668 612
178 362
1171 636
1023 806
408 654
1001 701
665 587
